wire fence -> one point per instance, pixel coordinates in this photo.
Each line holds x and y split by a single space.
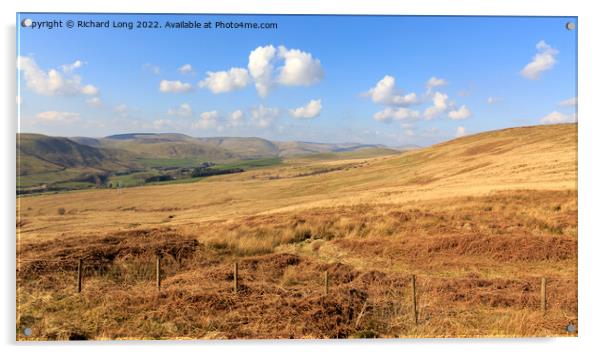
76 266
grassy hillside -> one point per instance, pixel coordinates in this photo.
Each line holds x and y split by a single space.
44 160
479 220
220 148
247 148
167 146
39 153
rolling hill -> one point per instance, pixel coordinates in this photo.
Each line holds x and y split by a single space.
41 154
45 160
162 146
168 145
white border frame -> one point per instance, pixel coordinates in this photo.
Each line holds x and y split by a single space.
590 117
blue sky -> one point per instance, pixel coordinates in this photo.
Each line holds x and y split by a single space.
372 79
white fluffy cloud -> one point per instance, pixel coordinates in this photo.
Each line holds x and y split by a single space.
558 117
208 120
396 103
53 82
263 116
311 110
89 90
226 81
385 92
186 69
399 113
440 105
261 68
184 110
57 117
300 68
460 132
461 113
175 86
435 82
544 60
570 102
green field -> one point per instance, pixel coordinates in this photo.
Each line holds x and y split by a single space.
250 164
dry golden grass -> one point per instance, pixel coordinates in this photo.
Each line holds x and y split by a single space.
479 220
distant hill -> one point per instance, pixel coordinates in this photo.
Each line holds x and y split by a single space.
407 147
45 160
245 147
168 145
298 148
40 153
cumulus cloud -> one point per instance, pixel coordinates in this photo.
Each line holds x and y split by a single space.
52 82
434 82
57 117
186 69
89 90
208 120
175 86
460 132
399 113
311 110
184 110
544 60
261 68
396 103
440 105
226 81
570 102
236 118
300 68
263 116
461 113
385 92
558 117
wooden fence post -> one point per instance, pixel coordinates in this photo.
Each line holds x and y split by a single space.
79 275
235 277
414 301
158 272
326 283
543 295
